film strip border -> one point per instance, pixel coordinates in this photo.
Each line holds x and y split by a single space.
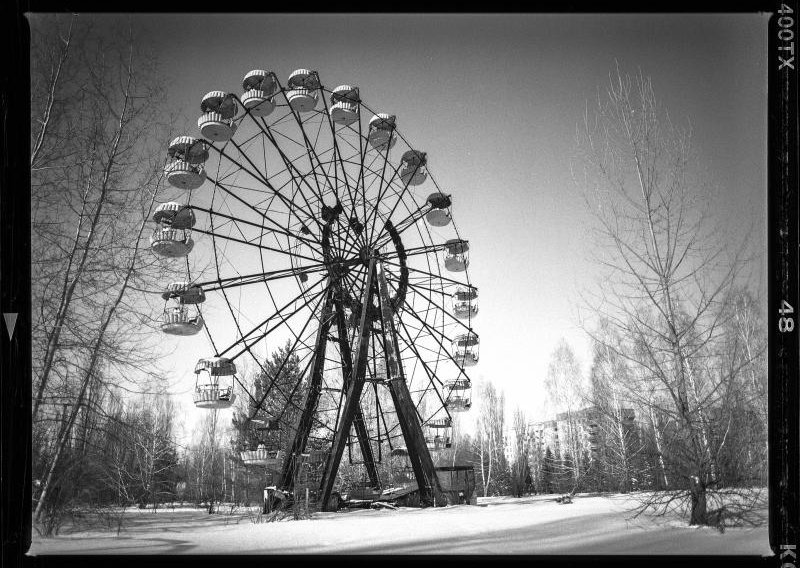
783 302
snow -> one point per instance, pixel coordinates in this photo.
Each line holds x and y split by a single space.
498 525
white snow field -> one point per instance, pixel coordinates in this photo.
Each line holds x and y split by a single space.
498 525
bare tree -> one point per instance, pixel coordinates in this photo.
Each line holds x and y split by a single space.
151 447
565 390
489 441
520 466
617 447
96 162
668 275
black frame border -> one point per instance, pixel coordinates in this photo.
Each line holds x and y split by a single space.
783 251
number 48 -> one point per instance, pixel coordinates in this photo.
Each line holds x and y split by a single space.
785 324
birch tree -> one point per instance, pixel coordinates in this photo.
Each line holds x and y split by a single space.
520 466
489 441
565 392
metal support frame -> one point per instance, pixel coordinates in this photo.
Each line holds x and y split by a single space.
358 419
424 471
430 490
292 462
352 399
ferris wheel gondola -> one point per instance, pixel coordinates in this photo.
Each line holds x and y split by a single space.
344 105
382 131
412 167
214 383
458 394
181 315
259 92
184 168
438 215
465 302
172 236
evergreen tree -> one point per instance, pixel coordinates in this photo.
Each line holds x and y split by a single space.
272 422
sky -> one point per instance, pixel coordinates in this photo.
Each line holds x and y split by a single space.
495 100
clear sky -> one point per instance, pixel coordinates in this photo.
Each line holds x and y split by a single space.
495 100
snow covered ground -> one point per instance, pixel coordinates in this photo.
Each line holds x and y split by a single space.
498 525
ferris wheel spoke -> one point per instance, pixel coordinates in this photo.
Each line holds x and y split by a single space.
440 307
292 349
372 217
429 274
338 160
264 180
275 226
253 244
244 336
312 152
237 220
244 339
360 182
387 218
418 341
290 166
258 277
434 336
421 250
277 192
429 372
410 221
401 226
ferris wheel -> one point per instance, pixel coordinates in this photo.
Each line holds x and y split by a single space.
318 225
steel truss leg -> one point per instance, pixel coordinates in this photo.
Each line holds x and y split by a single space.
293 461
430 490
353 397
358 419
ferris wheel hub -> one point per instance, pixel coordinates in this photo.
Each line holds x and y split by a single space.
366 254
338 269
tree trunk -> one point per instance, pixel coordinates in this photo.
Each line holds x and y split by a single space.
699 507
659 450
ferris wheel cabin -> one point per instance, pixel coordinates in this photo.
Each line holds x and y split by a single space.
413 170
465 302
259 92
171 236
381 131
456 258
440 433
344 105
303 93
185 158
179 317
438 442
439 213
466 349
459 395
271 459
217 121
214 383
